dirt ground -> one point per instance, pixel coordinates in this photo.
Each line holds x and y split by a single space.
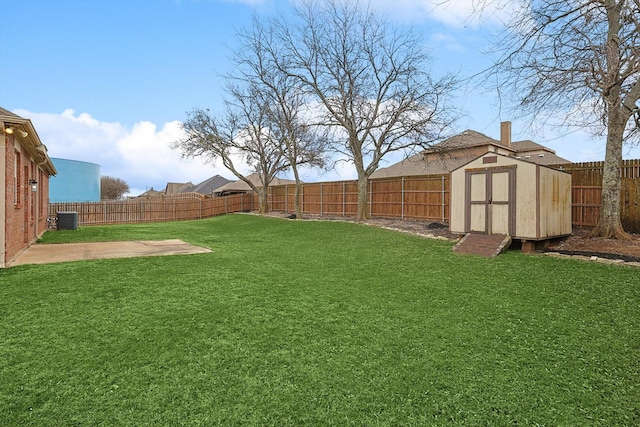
577 244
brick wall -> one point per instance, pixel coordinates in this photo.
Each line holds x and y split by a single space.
14 223
26 211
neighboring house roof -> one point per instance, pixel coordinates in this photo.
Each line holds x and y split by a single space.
453 152
233 187
466 139
419 165
28 138
528 145
241 186
150 194
537 153
176 187
207 186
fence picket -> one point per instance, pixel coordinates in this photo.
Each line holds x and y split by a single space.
410 197
193 206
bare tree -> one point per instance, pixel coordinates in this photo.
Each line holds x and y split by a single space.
238 136
372 80
260 63
112 188
579 60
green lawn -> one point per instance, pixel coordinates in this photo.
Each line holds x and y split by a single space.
316 323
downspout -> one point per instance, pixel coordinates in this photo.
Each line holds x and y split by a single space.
37 195
3 197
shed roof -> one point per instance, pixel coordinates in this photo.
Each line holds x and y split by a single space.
514 159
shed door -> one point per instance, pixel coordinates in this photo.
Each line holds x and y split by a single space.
490 200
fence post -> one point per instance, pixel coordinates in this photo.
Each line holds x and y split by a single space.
402 195
321 197
286 198
344 198
370 198
442 197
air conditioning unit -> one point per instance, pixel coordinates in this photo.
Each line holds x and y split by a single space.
67 220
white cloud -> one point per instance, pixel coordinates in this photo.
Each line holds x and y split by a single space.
247 2
459 13
448 43
75 137
141 155
146 154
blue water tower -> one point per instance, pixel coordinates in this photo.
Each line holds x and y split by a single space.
76 181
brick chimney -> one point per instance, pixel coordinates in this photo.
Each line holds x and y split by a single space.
505 134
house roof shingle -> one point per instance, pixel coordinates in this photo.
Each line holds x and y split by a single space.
7 113
238 186
31 141
449 155
207 186
466 139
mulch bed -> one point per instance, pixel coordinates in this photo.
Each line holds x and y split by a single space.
579 243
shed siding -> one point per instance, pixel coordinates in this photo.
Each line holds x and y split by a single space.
542 197
526 190
457 201
555 199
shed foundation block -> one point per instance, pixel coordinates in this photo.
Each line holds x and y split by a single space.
528 247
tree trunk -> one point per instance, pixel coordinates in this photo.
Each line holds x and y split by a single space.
263 206
296 195
296 201
363 197
609 224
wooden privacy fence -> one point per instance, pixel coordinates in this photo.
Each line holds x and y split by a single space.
419 197
181 207
411 197
586 199
586 193
425 197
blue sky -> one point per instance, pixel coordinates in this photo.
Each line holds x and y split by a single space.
108 81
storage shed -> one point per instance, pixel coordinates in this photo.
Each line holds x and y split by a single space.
499 194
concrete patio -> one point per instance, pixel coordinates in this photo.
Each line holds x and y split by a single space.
50 253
